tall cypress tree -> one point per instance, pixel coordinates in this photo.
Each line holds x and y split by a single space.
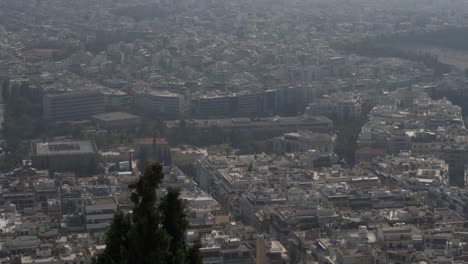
193 253
152 234
148 242
116 241
175 223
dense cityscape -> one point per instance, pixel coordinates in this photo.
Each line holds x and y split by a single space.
232 132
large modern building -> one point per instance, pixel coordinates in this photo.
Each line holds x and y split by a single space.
72 106
164 103
344 105
288 100
215 105
78 156
272 124
115 120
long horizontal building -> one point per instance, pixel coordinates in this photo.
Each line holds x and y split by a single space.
72 106
286 100
278 124
163 102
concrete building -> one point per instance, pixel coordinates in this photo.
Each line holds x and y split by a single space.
23 198
152 149
456 156
395 237
368 153
78 156
354 256
348 106
22 243
320 107
118 100
272 124
164 103
116 120
215 105
343 105
399 142
99 213
72 106
241 104
183 157
248 104
45 190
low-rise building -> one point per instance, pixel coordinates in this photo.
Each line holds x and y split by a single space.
99 213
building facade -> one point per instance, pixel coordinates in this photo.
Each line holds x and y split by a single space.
77 156
61 107
164 103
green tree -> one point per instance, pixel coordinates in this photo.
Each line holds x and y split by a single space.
175 223
152 234
148 242
194 255
117 245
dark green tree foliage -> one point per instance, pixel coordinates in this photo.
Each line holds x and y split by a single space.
148 242
117 245
396 46
152 234
193 255
22 121
348 133
175 223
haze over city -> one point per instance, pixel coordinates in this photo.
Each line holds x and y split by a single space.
233 131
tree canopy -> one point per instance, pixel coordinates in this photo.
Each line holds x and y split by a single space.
155 232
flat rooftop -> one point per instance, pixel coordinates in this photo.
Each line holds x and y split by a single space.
246 122
104 200
114 116
74 94
64 148
163 93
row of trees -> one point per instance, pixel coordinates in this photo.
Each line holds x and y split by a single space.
21 121
152 234
389 49
397 46
348 133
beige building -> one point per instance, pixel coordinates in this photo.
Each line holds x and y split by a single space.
182 157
